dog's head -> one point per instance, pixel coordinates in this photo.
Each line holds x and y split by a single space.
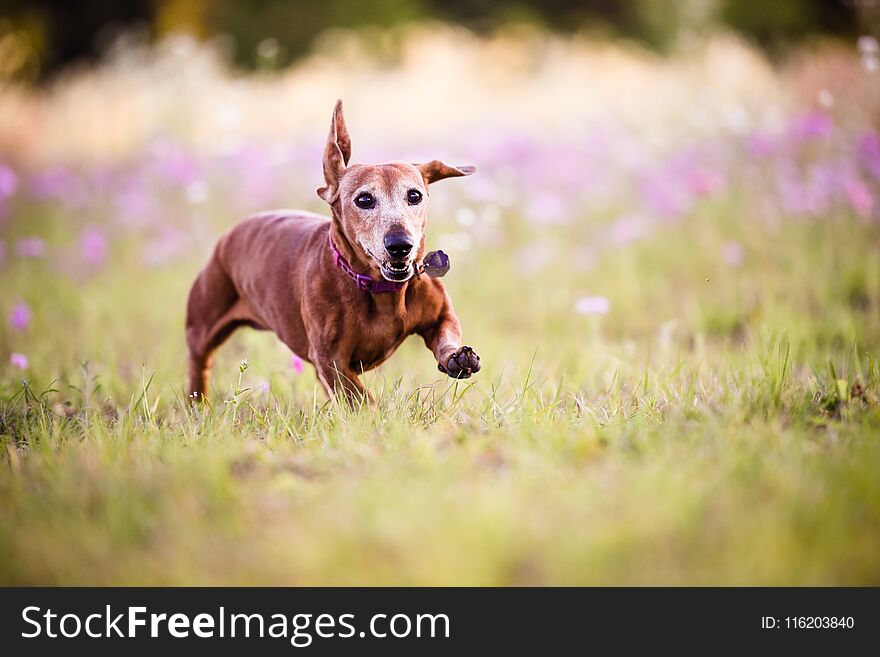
382 209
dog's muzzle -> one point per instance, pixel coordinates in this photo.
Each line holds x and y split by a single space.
398 267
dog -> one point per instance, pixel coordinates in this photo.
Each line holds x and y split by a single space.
341 292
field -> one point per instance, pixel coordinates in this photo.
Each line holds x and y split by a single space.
669 266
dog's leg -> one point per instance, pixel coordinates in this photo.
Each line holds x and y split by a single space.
444 339
210 318
339 379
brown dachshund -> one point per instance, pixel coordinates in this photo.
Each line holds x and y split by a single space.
343 292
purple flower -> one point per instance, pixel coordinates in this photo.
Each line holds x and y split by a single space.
760 146
859 196
173 162
20 316
297 363
93 244
58 184
705 182
30 247
18 360
592 306
868 152
808 193
733 253
8 182
664 195
812 125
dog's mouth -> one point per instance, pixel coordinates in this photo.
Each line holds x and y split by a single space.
396 272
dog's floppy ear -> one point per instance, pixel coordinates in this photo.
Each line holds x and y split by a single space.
337 153
436 170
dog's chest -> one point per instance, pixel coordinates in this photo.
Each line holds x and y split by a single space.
379 338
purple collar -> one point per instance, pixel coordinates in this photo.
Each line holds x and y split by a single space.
364 283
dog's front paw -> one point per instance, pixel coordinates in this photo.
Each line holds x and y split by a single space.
461 364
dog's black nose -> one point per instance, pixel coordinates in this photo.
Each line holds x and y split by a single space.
398 245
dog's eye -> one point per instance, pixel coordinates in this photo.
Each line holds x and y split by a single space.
364 201
414 197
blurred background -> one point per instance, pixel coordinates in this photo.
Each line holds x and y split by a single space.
40 38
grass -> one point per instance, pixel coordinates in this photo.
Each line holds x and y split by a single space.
719 426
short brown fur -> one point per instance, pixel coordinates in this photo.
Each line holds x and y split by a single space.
275 271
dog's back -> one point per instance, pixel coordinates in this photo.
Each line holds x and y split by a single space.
254 278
